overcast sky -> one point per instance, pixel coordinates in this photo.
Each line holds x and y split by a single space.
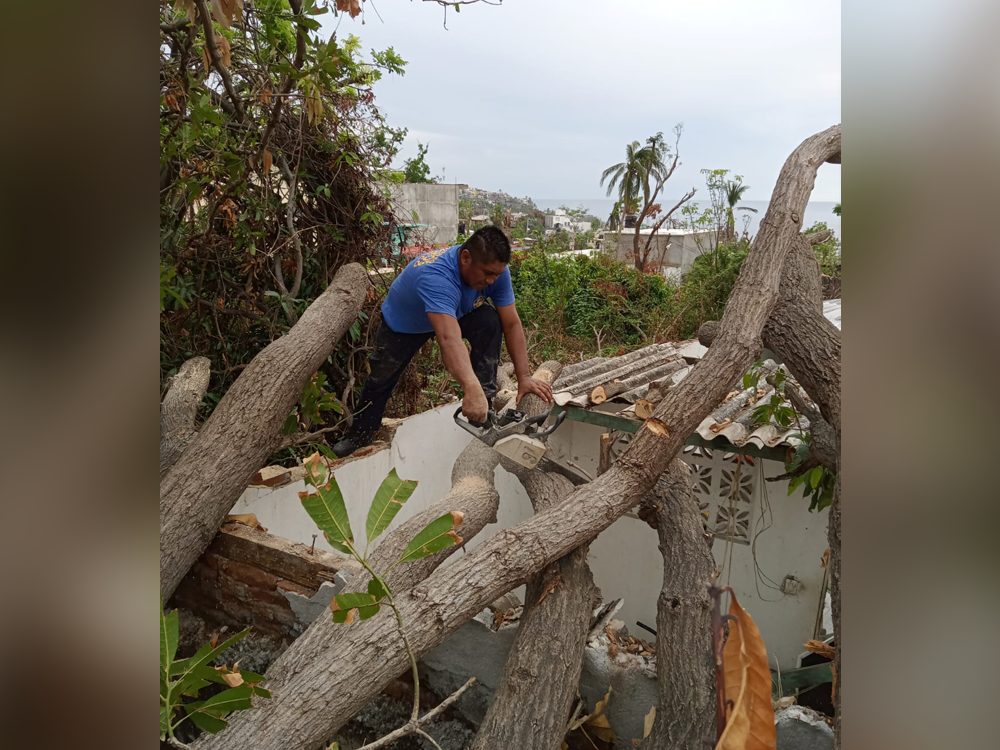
538 97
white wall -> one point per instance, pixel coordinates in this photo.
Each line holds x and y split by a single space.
627 563
624 558
425 448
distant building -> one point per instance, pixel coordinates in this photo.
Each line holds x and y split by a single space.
672 251
561 221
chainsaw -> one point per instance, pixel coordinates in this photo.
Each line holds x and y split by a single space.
519 437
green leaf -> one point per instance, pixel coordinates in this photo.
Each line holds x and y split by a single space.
164 720
364 603
814 476
207 722
377 590
388 501
327 509
251 676
436 536
168 639
188 668
233 699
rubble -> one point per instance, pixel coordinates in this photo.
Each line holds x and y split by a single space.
801 728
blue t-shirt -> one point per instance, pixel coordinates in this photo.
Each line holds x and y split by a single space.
431 283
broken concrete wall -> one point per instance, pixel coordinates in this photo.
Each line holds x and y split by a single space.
625 559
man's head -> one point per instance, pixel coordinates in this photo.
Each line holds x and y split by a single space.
483 257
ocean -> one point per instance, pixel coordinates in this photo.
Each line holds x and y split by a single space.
601 208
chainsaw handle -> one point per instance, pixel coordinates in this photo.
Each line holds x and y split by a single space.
560 418
475 428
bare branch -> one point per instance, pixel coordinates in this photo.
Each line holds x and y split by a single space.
213 53
415 726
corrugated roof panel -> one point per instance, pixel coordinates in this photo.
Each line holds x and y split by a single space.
733 419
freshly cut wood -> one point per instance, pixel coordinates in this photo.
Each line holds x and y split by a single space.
644 408
245 428
322 695
603 392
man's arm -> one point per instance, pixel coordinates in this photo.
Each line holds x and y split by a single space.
513 334
456 360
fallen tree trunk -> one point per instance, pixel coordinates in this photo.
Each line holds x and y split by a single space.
179 409
371 652
809 345
685 717
540 677
245 427
542 671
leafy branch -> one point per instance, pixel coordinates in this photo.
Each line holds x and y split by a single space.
187 677
325 505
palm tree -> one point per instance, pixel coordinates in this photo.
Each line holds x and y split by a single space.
627 176
734 191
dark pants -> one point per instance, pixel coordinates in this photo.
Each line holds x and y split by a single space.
393 352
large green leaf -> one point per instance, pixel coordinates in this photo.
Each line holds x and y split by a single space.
345 603
164 720
436 536
168 639
327 509
387 503
377 590
207 722
233 699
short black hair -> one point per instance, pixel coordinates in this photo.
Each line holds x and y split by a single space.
488 245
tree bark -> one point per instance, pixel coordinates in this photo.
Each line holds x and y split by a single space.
179 409
540 678
245 428
371 652
685 717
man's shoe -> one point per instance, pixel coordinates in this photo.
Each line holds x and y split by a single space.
351 442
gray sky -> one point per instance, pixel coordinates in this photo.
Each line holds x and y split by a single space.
538 97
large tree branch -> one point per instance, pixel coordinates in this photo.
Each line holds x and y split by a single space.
245 428
685 717
320 698
542 671
179 408
213 54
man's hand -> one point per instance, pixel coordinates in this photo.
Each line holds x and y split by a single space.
474 405
530 385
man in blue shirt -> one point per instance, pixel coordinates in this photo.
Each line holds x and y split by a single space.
443 293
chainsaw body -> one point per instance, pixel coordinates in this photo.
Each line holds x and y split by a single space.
513 434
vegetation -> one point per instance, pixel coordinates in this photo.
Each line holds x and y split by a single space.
274 172
189 677
417 169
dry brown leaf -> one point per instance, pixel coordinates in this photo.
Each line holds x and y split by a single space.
550 587
205 59
350 6
750 719
647 724
247 519
215 639
825 559
224 50
719 425
223 12
268 160
598 722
